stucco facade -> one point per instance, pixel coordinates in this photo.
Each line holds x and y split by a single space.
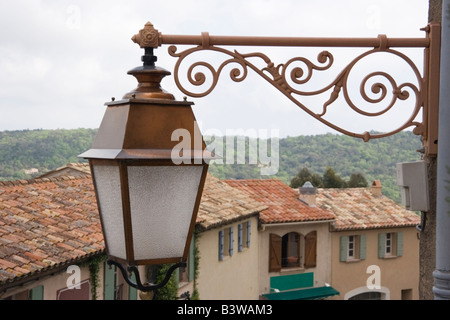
322 270
394 277
236 275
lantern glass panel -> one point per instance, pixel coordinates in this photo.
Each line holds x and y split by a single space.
107 181
162 200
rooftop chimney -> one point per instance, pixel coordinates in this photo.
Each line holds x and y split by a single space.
376 188
307 194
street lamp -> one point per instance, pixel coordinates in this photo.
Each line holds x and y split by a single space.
148 184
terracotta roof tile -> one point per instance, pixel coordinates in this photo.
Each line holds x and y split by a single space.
282 201
49 221
361 208
222 204
38 224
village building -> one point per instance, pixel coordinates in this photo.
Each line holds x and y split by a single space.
374 243
294 241
254 239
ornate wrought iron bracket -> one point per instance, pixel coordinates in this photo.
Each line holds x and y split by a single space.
288 77
138 284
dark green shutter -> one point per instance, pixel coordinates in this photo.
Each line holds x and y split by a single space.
362 247
381 245
343 242
37 293
399 244
109 282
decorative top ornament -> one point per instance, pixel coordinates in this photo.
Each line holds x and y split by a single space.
148 37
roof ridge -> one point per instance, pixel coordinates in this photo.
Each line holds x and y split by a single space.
253 179
31 181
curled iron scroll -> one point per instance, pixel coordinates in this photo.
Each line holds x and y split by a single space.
280 77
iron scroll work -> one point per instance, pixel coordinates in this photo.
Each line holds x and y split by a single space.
284 77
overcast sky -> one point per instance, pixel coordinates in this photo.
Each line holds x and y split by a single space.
60 61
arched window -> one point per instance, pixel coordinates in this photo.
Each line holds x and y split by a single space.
292 250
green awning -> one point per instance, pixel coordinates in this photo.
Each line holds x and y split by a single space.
302 294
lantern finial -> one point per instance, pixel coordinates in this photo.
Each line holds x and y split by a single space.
148 37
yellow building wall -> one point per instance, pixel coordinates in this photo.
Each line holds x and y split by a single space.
236 276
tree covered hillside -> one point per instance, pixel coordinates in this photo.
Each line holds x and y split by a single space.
375 160
47 150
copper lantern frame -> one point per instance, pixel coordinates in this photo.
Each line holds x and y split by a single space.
132 150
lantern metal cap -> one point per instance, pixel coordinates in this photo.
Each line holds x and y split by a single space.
149 83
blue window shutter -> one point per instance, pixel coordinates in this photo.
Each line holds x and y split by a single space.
249 233
108 282
221 239
381 245
240 235
362 247
343 248
399 244
37 293
231 239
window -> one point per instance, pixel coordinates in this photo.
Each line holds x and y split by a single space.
244 235
390 245
226 242
292 250
352 248
406 294
221 244
351 252
229 241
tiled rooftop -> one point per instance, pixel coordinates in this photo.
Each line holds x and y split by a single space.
46 223
222 204
361 208
49 222
71 169
282 201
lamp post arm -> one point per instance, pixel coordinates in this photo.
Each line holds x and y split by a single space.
385 94
138 284
150 37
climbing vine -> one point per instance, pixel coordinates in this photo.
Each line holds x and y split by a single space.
195 294
94 265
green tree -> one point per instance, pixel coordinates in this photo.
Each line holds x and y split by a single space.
357 180
170 290
303 176
332 180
